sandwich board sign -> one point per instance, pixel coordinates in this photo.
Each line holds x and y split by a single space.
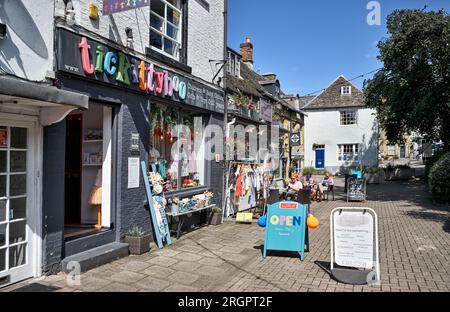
286 228
354 245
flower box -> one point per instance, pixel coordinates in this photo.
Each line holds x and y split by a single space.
138 245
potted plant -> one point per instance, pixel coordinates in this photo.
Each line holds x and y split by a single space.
138 241
216 216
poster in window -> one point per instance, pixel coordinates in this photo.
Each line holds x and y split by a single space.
3 138
114 6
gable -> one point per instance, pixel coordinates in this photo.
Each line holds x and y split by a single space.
331 97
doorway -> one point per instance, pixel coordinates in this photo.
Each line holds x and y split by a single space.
320 158
18 201
72 176
87 201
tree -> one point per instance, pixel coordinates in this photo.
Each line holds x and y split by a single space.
411 93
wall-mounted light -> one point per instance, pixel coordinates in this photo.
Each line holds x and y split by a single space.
69 13
93 11
129 33
2 31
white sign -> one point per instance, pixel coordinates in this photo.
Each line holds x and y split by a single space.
354 239
133 172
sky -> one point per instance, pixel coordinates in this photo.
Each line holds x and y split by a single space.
308 43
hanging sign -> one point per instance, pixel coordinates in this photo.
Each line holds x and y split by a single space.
133 172
286 228
114 6
295 139
354 242
93 60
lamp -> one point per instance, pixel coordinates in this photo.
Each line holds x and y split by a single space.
69 13
2 31
129 33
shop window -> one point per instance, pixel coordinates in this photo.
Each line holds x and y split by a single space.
348 152
165 26
176 148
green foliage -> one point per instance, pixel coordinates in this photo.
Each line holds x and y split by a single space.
309 170
371 170
411 92
430 162
439 179
216 210
136 232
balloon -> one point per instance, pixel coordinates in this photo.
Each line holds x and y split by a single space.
312 222
262 221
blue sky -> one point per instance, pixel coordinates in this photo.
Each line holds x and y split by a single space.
309 43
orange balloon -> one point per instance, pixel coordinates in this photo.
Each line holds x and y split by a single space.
312 222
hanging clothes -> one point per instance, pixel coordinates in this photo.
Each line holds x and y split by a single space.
238 192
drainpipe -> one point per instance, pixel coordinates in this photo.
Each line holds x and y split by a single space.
225 118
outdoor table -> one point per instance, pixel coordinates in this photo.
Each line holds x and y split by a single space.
180 218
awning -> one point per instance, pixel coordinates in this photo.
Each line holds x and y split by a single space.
55 104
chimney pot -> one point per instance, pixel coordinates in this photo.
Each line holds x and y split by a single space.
247 52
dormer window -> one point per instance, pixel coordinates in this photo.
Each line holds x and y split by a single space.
346 90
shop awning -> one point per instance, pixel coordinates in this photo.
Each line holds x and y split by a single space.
54 103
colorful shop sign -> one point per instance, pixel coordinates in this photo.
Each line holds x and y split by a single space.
286 228
114 6
82 56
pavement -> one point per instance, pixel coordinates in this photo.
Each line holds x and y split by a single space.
414 255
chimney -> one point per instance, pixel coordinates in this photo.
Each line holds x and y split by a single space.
247 52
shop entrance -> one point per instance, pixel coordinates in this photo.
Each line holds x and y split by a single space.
17 201
87 172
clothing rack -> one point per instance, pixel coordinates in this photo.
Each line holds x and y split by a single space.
227 199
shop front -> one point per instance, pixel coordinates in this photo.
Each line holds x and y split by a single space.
138 111
25 109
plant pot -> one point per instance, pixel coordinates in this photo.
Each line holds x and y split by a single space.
216 218
138 245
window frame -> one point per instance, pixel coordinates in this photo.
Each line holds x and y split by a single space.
181 113
164 35
349 88
355 147
355 113
389 150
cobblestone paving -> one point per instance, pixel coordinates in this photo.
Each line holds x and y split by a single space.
414 254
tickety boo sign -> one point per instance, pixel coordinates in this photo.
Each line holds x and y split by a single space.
114 6
286 228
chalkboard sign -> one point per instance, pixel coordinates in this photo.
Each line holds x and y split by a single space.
286 228
356 189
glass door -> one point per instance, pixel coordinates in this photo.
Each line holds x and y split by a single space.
14 233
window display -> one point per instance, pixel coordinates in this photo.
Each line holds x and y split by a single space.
175 153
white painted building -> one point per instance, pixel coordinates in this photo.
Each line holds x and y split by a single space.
340 132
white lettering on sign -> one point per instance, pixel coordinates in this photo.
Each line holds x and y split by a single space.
354 239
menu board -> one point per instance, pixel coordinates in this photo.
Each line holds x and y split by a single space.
353 239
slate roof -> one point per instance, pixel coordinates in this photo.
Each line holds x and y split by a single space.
304 100
331 97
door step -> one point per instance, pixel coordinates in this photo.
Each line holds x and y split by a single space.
95 257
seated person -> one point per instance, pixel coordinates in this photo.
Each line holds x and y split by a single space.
326 182
295 185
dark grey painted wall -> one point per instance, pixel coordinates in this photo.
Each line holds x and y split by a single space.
132 209
53 197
